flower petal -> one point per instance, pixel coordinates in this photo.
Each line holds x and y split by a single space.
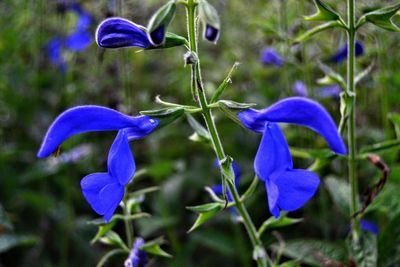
110 197
273 155
91 186
84 18
272 194
300 111
118 32
78 40
295 187
88 119
269 56
121 164
157 36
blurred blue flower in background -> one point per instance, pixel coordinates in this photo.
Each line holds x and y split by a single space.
136 256
300 89
218 189
330 91
269 57
369 226
341 55
77 41
103 191
287 188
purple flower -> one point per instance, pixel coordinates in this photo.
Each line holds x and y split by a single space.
330 91
287 188
341 55
269 56
54 52
300 89
136 256
104 191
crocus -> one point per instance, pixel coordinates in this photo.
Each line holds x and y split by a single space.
341 54
300 88
287 188
103 191
136 256
269 56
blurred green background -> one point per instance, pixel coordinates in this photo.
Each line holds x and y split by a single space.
43 215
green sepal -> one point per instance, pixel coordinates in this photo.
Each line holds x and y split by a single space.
224 84
273 222
203 217
153 247
324 13
208 15
231 108
162 18
205 207
165 116
113 239
381 17
200 132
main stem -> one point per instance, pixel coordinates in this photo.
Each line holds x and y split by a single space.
217 145
351 124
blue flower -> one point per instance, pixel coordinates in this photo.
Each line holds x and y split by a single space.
78 40
103 191
136 256
119 32
269 56
369 226
330 91
300 89
341 55
287 188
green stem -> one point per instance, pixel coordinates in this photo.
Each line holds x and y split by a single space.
217 145
128 224
351 124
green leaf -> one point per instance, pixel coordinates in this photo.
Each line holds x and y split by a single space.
320 28
109 255
333 75
153 247
381 147
205 207
224 84
312 252
273 222
389 242
162 18
324 13
364 249
103 229
204 217
382 18
165 116
173 40
9 241
113 239
201 132
339 190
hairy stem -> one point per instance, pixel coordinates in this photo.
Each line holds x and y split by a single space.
351 124
217 145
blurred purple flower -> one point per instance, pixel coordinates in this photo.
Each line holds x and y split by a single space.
287 188
269 56
300 89
104 191
78 40
341 55
330 91
136 256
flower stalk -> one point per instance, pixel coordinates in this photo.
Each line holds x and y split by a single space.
197 86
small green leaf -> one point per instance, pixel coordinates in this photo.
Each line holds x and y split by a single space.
381 147
333 75
204 217
153 247
273 222
320 28
382 18
165 116
162 18
171 40
324 13
109 255
113 239
103 229
224 84
9 241
199 129
235 105
205 207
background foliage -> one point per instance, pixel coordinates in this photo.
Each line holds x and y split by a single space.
43 215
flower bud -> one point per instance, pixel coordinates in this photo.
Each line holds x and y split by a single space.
211 22
159 22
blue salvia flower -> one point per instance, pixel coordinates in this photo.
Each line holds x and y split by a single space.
369 226
341 55
300 89
330 91
78 40
136 256
269 56
119 32
103 191
287 188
